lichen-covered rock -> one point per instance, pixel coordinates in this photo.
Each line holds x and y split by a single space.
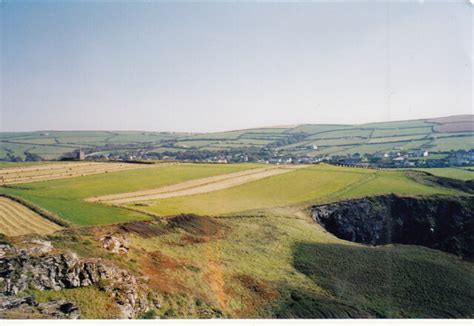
114 243
65 270
24 307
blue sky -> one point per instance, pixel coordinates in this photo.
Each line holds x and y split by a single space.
221 66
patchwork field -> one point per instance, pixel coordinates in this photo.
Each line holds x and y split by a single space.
199 186
257 253
66 197
435 135
16 219
36 173
311 185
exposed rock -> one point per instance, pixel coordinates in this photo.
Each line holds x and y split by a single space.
60 271
38 247
6 249
114 243
440 222
13 307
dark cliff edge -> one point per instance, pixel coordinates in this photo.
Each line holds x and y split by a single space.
444 223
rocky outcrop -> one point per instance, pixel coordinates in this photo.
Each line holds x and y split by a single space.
440 222
27 307
114 243
24 270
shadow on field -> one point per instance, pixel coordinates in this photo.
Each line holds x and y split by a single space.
390 281
300 303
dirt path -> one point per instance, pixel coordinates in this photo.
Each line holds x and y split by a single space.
16 219
60 171
199 186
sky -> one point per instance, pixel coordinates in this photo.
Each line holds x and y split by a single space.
199 67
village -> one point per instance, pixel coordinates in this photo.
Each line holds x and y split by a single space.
397 158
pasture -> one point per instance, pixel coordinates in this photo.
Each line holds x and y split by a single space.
311 185
66 197
454 173
203 185
258 253
439 135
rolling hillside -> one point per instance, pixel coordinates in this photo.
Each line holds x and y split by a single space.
254 250
435 135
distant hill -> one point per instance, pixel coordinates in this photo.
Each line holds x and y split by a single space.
435 135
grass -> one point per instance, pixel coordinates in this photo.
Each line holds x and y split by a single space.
92 303
391 281
397 124
405 133
273 261
454 173
393 139
319 183
345 133
401 132
213 267
281 190
6 165
279 263
384 147
453 143
66 197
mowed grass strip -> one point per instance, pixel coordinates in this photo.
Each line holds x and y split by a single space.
285 189
16 219
316 184
65 197
198 186
60 171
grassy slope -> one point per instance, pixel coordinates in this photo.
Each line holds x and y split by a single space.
319 183
279 263
391 281
406 132
65 197
276 262
454 173
92 303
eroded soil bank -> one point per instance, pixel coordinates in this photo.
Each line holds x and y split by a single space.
440 222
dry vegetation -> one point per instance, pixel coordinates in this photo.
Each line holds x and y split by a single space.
16 219
60 171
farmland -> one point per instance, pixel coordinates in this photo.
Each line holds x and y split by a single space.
317 184
204 185
36 173
16 219
434 135
166 189
257 253
65 197
455 173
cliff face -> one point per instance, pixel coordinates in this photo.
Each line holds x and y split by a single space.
440 222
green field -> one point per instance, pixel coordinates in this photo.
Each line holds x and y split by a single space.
321 183
330 138
263 255
65 197
454 173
